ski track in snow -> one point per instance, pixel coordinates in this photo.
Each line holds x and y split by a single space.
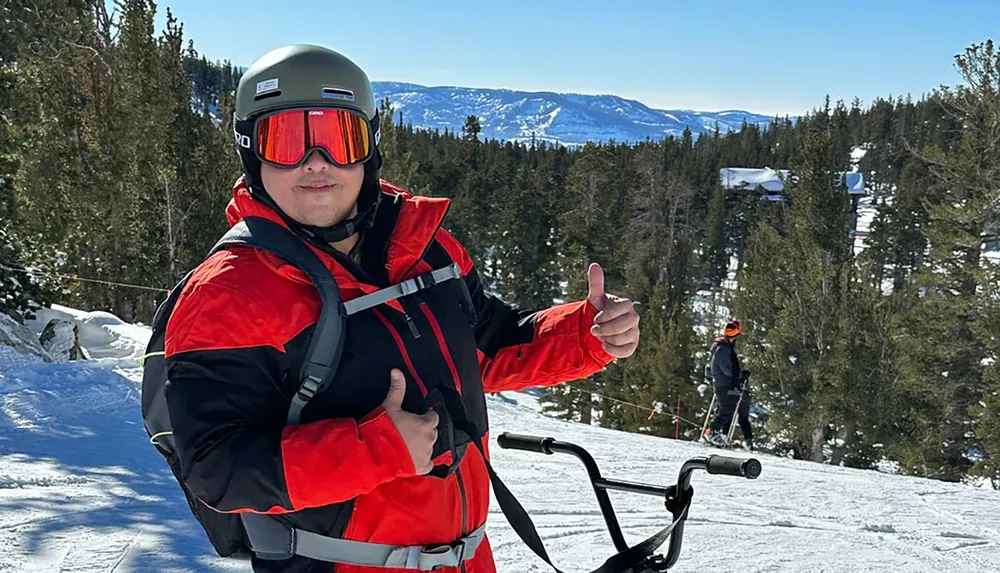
81 490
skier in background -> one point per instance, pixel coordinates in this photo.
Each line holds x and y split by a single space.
731 383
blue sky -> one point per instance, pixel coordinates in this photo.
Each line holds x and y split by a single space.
776 56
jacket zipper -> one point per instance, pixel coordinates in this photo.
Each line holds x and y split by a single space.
402 348
442 346
412 325
461 494
415 332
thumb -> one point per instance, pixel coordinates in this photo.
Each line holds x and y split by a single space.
397 389
595 281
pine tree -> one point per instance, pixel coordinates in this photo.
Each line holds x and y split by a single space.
589 231
716 252
45 49
660 274
526 248
398 165
22 292
946 340
471 128
800 296
199 165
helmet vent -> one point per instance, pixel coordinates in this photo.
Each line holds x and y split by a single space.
338 93
267 95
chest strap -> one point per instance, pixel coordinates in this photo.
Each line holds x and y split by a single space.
277 540
314 377
407 287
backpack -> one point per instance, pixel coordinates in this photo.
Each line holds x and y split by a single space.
226 531
233 533
711 358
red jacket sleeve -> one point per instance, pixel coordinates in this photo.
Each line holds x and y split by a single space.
561 349
228 405
524 349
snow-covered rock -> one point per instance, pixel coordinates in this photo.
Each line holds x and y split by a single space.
18 345
61 340
101 334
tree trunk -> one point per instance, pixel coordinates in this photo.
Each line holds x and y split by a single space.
171 259
586 409
818 441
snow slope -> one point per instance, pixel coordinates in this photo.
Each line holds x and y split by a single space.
82 490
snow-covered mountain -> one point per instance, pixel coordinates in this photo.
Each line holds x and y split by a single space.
571 119
83 490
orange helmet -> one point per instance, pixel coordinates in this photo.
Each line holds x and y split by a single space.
732 329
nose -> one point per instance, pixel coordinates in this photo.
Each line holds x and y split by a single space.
316 163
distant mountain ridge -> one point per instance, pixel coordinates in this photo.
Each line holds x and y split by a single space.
570 119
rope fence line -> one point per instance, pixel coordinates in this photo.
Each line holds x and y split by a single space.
82 279
652 410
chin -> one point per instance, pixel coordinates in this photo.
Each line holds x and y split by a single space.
315 222
319 221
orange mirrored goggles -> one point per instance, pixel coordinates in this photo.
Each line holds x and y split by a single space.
285 138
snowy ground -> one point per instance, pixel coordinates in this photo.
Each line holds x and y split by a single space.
82 490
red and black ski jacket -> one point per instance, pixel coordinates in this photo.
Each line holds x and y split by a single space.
234 346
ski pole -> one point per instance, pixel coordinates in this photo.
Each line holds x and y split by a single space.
732 423
708 416
736 412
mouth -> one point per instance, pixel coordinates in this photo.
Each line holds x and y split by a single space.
317 187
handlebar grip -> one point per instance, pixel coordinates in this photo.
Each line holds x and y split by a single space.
526 443
739 467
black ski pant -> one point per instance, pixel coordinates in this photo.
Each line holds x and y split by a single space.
726 399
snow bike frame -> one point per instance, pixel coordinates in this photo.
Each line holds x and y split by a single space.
677 498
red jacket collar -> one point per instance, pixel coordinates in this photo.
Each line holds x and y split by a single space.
416 227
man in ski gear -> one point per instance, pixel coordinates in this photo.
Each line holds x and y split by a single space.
732 389
387 453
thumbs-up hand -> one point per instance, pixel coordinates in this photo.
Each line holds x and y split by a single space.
419 431
617 323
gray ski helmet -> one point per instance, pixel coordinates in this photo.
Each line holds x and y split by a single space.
306 75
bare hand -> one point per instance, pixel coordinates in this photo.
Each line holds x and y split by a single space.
419 431
617 323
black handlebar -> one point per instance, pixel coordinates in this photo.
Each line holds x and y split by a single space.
525 443
739 467
749 468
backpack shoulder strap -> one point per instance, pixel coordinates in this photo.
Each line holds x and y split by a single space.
320 363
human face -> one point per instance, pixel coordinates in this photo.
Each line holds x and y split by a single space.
317 193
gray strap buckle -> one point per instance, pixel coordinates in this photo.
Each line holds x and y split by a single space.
441 556
436 557
411 286
430 558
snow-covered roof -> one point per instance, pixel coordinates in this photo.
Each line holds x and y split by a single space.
771 179
737 177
